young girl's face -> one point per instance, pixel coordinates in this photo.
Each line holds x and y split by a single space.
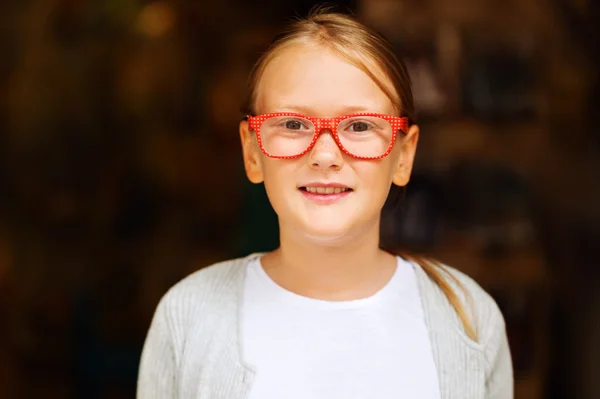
314 81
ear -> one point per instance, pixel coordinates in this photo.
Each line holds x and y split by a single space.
251 154
406 159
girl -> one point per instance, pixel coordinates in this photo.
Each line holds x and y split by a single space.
329 128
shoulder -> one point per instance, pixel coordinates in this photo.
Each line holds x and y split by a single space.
483 308
202 283
211 292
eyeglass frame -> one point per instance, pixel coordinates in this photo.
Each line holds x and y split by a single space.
398 123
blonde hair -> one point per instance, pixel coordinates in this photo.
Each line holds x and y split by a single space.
361 47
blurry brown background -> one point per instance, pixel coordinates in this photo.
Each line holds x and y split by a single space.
120 172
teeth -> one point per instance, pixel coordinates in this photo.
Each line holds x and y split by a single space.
326 190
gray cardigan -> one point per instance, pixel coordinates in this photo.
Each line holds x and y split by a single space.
193 348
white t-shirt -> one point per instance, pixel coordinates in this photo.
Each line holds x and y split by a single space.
372 348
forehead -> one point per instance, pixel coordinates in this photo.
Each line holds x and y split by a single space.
316 81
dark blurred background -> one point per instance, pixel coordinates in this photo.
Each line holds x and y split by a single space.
121 173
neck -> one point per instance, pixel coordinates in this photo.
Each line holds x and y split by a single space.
333 269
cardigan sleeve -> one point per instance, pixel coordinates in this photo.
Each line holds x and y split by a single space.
499 370
157 372
491 338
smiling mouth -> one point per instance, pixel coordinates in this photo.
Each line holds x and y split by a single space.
325 190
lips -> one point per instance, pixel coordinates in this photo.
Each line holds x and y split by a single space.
325 193
325 190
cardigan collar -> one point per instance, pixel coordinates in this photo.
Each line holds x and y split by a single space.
460 377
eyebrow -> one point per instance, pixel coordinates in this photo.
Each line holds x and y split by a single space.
307 110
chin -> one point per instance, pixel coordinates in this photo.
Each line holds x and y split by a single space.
327 241
331 229
329 235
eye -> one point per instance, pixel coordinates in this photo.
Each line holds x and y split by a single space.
293 125
359 126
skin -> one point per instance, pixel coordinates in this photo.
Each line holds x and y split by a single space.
328 252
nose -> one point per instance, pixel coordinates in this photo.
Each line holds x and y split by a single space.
326 154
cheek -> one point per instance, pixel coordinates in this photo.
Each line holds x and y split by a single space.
376 176
278 176
273 169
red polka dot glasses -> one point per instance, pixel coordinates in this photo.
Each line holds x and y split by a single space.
363 135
